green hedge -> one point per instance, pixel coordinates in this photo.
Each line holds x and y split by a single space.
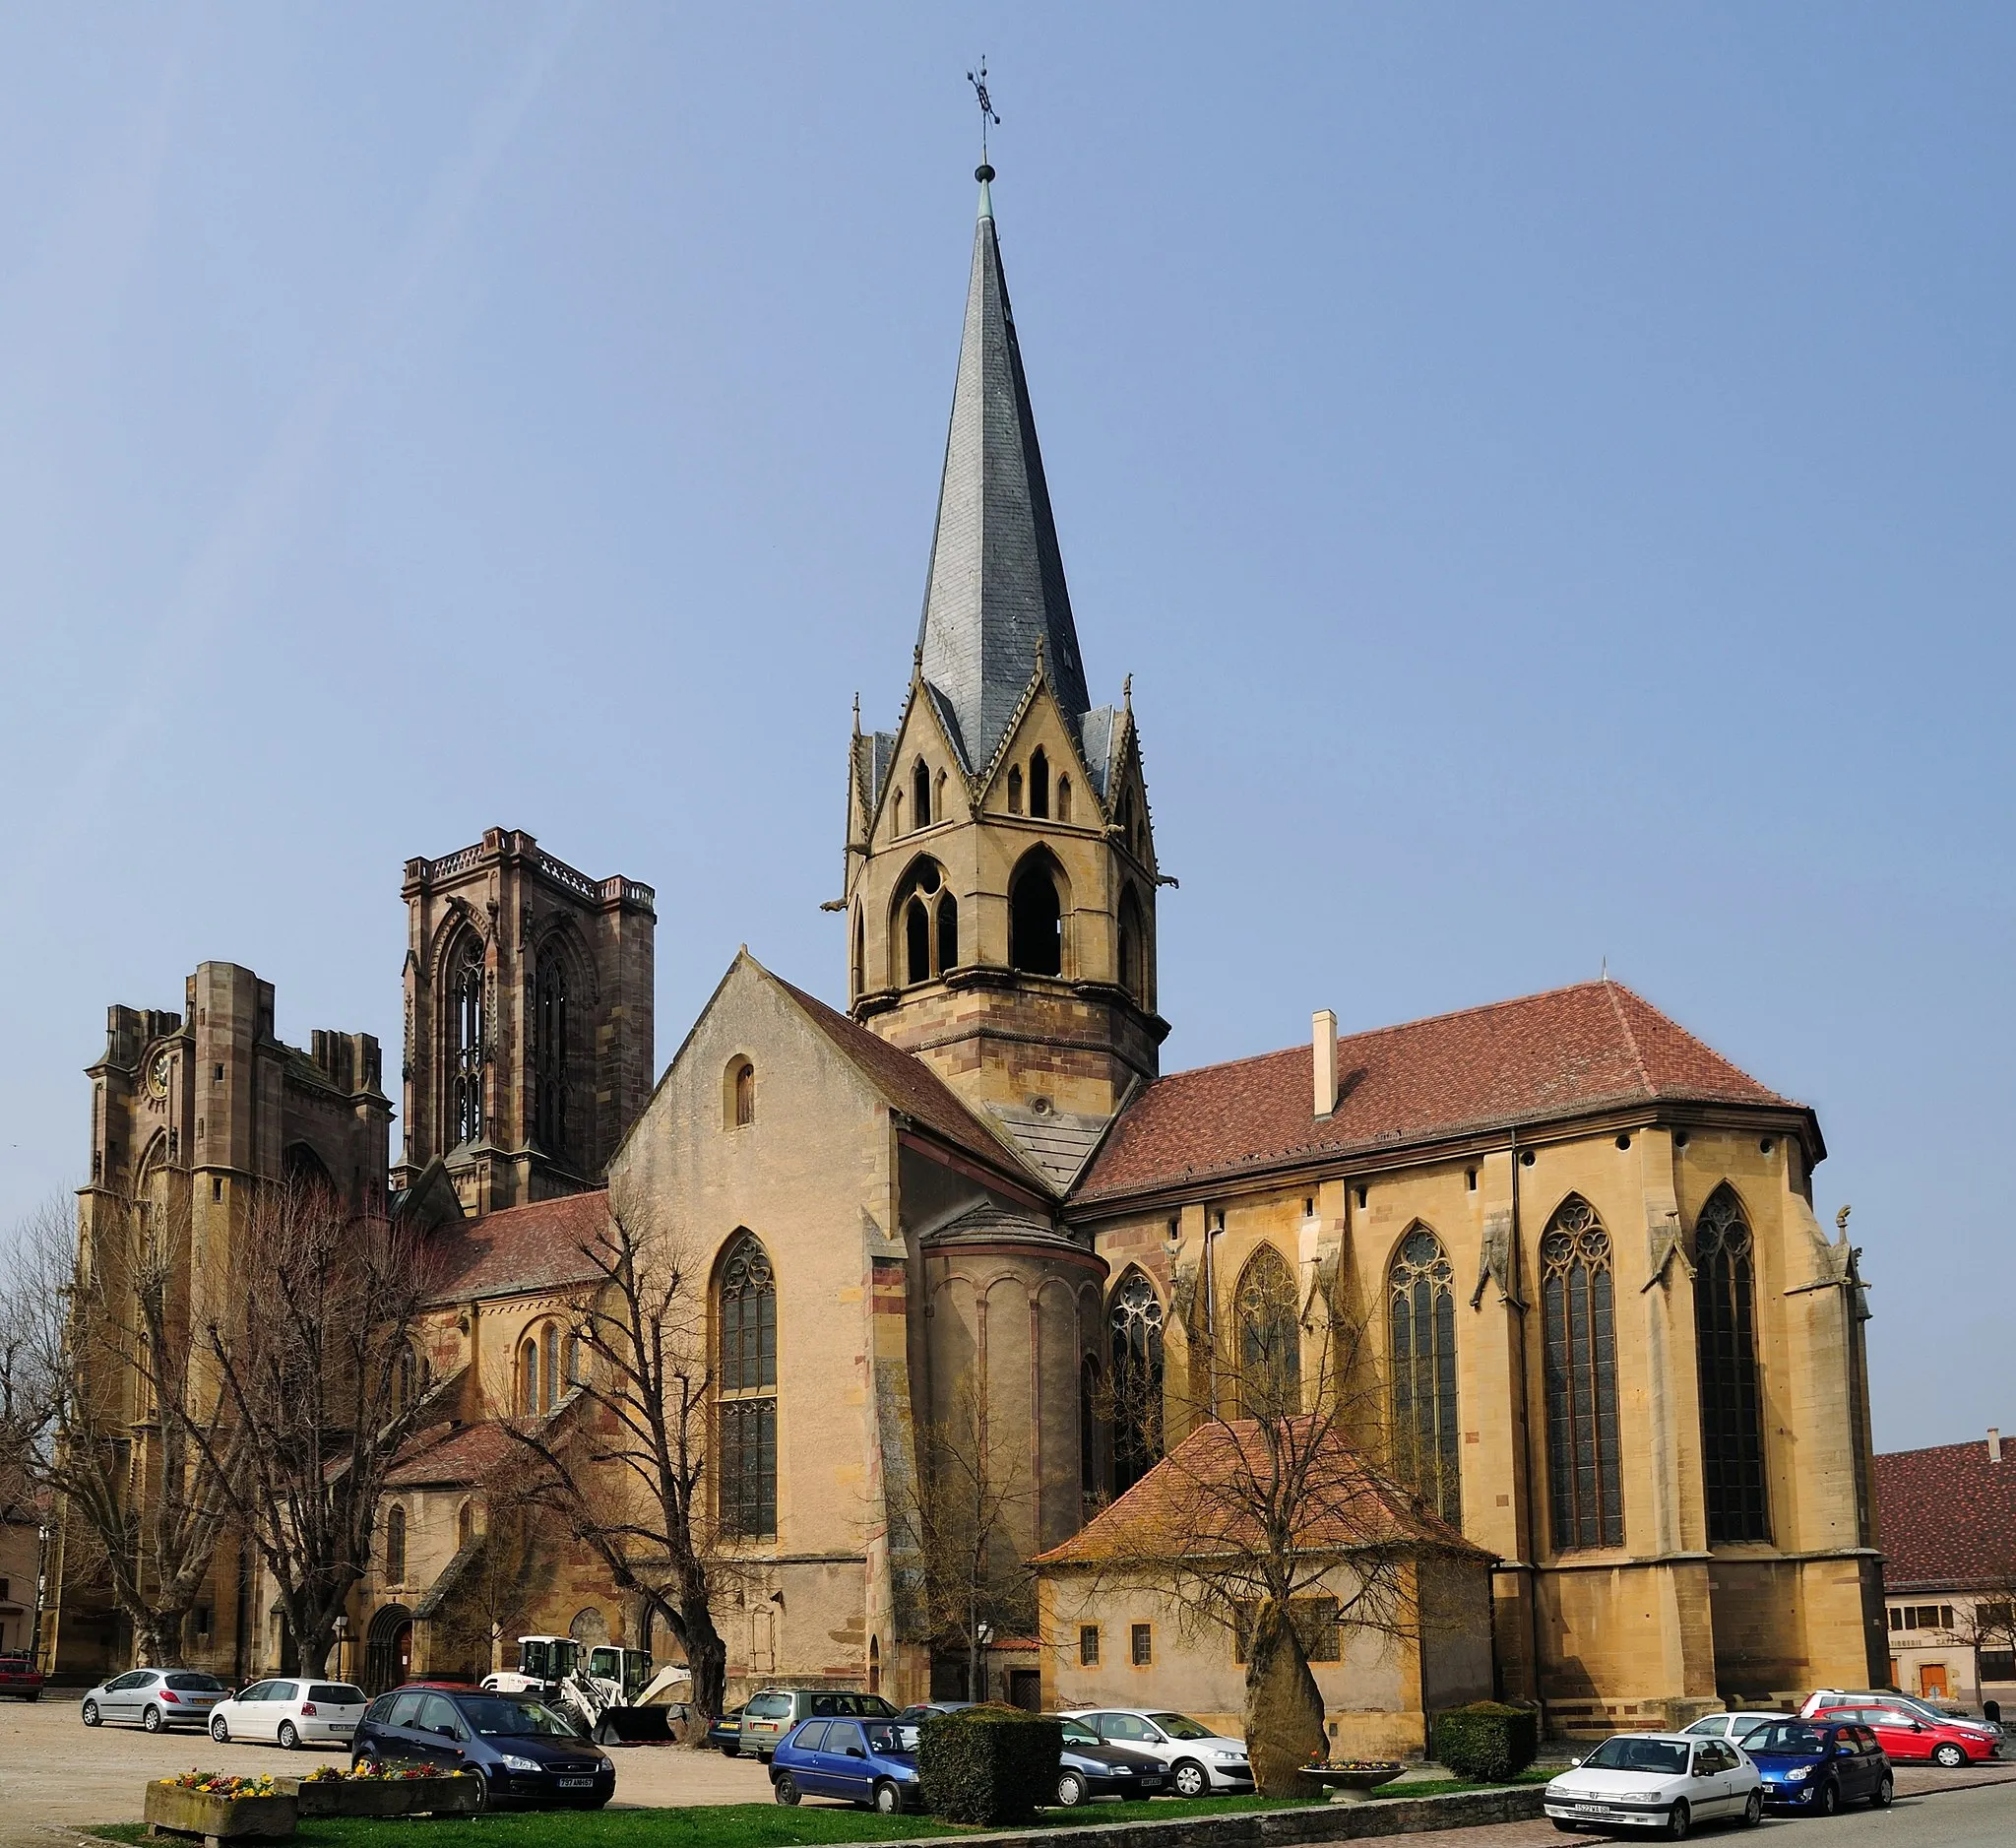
1486 1743
988 1764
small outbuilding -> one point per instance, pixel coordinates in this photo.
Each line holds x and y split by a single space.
1150 1604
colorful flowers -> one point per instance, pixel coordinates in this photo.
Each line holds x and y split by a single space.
372 1769
222 1784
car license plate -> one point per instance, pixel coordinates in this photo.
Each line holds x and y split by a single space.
1594 1808
1151 1783
577 1783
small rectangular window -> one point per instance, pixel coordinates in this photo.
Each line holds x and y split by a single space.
217 1074
1998 1665
216 1191
1144 1644
1896 1616
1088 1645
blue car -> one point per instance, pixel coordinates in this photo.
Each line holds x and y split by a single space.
863 1761
1812 1767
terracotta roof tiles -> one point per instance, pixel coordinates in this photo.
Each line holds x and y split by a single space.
519 1251
1947 1517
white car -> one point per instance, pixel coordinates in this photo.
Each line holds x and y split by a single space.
1200 1761
1737 1726
1664 1781
290 1713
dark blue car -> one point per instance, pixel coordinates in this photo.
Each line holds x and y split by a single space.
866 1761
1813 1768
523 1750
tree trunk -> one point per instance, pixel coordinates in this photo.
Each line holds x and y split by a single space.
707 1660
1284 1707
158 1636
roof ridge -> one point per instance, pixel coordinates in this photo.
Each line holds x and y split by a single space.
1630 1035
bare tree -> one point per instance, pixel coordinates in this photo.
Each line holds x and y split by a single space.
1269 1523
625 1461
509 1563
310 1369
104 1415
959 1573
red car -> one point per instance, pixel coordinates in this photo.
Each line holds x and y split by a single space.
19 1675
1907 1736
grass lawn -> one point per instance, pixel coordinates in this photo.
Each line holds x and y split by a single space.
714 1825
1451 1786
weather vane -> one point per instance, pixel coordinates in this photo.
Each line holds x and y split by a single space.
978 81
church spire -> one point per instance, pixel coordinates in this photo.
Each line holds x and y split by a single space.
996 589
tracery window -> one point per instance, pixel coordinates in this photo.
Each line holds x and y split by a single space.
550 1053
467 1070
1136 1320
1270 1347
1578 1317
1726 1352
747 1377
1039 783
1036 921
927 922
1422 1304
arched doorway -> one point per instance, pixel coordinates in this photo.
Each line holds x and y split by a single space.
388 1649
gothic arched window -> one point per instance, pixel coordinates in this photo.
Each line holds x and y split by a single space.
917 941
528 1379
467 1070
1039 783
860 964
948 933
1133 936
1578 1317
549 1364
927 922
1427 1444
1136 1317
395 1547
1015 790
747 1300
740 1103
406 1384
1063 799
1036 921
921 796
1269 1350
1725 1353
550 1053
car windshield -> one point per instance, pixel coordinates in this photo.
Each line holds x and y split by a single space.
498 1718
336 1695
1664 1757
1180 1726
1788 1737
1077 1733
192 1683
884 1736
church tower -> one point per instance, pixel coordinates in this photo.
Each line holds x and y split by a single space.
1000 868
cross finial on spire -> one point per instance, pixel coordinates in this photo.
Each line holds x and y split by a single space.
978 81
1127 693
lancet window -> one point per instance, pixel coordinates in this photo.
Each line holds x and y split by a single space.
1725 1353
1036 921
1270 1347
1578 1318
927 917
1039 783
466 1074
550 1053
746 1317
1136 1320
1422 1309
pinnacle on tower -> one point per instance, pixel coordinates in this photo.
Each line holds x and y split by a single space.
995 594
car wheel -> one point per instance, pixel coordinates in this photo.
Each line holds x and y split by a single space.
888 1799
32 1695
289 1740
1826 1799
786 1786
90 1715
1950 1755
1679 1818
1190 1779
151 1720
1885 1790
1070 1790
732 1752
1567 1828
1754 1810
219 1730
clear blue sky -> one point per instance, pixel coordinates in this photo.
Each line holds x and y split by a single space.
1547 470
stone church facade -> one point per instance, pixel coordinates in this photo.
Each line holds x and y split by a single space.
1622 1356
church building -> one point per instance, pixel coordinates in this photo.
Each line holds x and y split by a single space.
1621 1355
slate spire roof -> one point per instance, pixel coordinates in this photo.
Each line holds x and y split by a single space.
996 582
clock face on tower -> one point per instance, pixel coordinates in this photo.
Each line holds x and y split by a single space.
158 1073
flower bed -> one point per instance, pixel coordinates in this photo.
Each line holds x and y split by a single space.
373 1789
219 1808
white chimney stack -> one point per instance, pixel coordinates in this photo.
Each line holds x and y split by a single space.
1994 1444
1323 1051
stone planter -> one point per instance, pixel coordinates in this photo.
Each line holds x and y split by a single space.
1352 1786
172 1811
389 1795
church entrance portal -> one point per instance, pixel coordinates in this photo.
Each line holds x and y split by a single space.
388 1649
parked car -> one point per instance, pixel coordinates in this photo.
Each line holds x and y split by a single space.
157 1700
1907 1736
1828 1698
1199 1761
767 1716
19 1675
1664 1781
1814 1767
1089 1766
290 1713
915 1715
725 1733
861 1761
1737 1726
524 1752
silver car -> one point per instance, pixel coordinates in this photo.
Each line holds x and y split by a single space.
154 1699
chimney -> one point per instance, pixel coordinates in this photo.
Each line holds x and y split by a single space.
1994 1444
1323 1059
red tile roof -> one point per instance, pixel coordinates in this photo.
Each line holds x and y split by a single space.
912 1086
521 1250
1947 1517
1175 1510
446 1455
1546 1057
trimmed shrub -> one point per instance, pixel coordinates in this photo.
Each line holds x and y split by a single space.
988 1764
1485 1742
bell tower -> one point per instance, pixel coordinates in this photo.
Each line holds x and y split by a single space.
1000 868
